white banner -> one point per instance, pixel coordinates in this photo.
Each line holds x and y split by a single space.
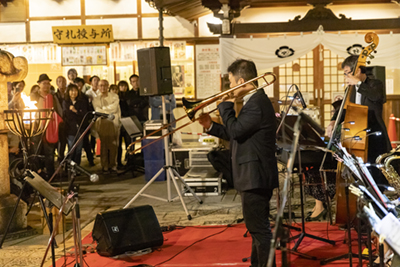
275 51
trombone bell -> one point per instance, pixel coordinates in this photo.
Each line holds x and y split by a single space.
189 106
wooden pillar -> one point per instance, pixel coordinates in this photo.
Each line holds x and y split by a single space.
12 69
4 178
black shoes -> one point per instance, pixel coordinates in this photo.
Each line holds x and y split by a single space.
319 217
121 167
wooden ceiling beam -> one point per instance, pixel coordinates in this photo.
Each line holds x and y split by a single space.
192 9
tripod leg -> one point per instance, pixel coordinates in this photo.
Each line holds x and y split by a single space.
53 233
180 194
78 230
144 188
50 225
75 237
187 186
12 215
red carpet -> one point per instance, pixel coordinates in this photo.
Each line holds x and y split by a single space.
223 247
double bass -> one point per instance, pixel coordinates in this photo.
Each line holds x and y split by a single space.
359 114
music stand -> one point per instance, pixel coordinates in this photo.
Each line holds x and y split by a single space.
132 125
47 191
134 128
307 136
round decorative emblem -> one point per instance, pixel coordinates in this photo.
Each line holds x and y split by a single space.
355 49
284 51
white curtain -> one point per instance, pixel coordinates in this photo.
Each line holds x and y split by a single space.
264 51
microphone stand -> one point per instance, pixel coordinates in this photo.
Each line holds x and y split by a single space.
73 194
95 117
289 201
284 116
329 146
290 226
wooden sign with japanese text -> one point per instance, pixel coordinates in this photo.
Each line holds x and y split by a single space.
82 34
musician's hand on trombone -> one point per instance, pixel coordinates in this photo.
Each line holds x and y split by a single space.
228 98
205 120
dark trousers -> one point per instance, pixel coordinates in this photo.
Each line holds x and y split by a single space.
62 141
87 147
127 139
255 204
46 150
93 144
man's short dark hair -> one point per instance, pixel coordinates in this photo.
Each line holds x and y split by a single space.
351 62
245 69
94 76
133 76
79 80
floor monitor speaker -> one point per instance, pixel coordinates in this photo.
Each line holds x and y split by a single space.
120 231
155 71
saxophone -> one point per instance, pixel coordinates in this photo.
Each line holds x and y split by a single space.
388 170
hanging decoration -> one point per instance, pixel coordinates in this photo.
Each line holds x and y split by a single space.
355 49
284 51
275 51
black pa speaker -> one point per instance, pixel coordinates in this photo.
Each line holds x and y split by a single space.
378 72
155 71
120 231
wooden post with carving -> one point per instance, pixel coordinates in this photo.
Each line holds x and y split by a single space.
11 69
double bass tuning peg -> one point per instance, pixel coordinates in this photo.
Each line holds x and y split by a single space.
368 62
375 51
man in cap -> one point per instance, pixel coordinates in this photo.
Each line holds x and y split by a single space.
47 148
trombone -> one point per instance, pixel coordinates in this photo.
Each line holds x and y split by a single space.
191 108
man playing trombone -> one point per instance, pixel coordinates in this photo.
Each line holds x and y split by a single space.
252 145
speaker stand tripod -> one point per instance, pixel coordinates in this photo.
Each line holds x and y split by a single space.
171 175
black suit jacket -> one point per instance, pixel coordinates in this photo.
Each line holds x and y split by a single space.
371 91
252 142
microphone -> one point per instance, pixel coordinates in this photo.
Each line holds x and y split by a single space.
311 122
94 178
108 116
300 96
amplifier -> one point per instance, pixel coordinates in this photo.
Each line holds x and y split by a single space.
199 159
190 154
151 126
204 181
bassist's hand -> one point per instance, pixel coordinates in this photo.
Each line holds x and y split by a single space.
329 129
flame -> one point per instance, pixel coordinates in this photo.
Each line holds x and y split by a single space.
27 101
29 104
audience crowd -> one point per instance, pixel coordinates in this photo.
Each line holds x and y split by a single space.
76 104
